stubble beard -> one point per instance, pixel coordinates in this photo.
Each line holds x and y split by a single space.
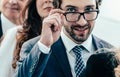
78 38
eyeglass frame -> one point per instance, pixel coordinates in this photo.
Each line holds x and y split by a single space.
81 13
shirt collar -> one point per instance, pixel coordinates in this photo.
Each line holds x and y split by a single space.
88 44
69 44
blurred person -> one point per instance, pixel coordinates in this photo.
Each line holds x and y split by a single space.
117 71
32 16
9 18
0 6
104 63
65 32
10 13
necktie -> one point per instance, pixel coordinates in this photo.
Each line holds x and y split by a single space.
79 64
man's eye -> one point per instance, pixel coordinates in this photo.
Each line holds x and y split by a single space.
71 10
89 9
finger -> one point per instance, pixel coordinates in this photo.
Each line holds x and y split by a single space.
53 11
50 22
57 17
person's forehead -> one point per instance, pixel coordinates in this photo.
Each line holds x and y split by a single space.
78 3
3 0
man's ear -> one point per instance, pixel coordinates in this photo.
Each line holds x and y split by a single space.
99 2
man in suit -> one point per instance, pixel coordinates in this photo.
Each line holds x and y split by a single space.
51 54
10 13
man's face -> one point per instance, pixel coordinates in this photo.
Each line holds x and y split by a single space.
79 30
44 7
12 8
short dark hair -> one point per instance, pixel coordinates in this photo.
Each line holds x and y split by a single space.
102 63
98 2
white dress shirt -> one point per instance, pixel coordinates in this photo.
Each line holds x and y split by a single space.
6 24
69 45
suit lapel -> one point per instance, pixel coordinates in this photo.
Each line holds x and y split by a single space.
96 42
59 51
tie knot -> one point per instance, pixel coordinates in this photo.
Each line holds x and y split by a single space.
77 50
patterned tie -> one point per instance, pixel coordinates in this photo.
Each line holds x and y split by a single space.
79 64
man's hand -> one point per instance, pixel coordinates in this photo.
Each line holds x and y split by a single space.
51 27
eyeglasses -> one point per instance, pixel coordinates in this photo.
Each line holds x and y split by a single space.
75 16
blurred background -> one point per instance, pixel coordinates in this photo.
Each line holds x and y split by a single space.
108 23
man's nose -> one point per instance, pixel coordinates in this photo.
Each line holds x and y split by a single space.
82 21
12 1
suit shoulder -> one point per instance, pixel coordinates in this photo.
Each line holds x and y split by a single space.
28 45
102 43
31 42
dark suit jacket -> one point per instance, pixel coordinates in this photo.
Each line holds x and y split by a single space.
1 32
54 64
101 65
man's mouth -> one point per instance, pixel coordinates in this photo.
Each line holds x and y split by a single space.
81 28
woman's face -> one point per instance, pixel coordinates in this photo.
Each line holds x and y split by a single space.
44 7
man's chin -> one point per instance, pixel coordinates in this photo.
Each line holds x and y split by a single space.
80 39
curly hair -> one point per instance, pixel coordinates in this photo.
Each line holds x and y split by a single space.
31 27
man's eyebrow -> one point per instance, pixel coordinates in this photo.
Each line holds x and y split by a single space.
76 7
90 6
70 6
